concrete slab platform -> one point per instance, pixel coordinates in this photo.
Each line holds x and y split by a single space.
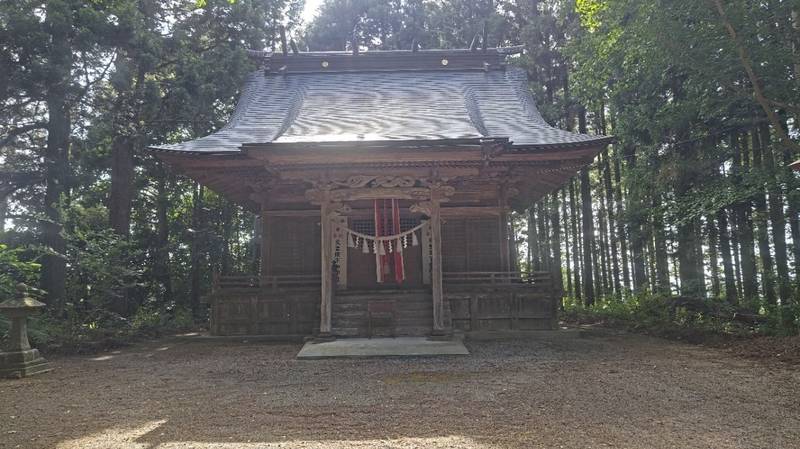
382 347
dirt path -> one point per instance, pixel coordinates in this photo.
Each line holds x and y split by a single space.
604 391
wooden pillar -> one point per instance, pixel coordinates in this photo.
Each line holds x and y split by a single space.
425 242
436 267
505 257
266 247
339 234
438 194
326 273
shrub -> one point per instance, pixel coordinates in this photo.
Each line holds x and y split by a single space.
678 317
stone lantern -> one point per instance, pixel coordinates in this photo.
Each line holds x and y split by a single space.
19 359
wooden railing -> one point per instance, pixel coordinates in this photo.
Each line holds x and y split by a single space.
313 280
482 277
543 278
272 282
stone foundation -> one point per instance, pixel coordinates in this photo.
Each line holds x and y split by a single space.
22 364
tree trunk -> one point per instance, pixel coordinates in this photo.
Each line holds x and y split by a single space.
567 258
121 196
588 239
513 251
777 218
605 263
555 225
660 247
690 266
197 223
794 227
793 195
226 262
622 235
676 276
122 158
544 235
587 224
636 229
533 240
744 228
612 225
576 253
162 233
727 263
611 281
713 256
651 260
56 157
793 200
761 231
737 255
3 213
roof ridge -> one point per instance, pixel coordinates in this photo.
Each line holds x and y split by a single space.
510 50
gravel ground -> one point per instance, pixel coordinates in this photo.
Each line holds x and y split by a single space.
622 391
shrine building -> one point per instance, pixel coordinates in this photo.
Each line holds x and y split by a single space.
384 182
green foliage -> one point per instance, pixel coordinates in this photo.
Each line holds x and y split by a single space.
15 269
103 267
135 73
674 317
589 11
100 329
663 72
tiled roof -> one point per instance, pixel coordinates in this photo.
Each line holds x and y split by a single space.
385 106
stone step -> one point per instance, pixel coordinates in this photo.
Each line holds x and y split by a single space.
413 309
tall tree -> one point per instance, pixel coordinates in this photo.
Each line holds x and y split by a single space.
576 236
731 292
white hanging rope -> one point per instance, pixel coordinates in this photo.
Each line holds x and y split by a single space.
386 238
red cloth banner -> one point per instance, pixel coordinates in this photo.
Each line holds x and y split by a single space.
387 222
399 267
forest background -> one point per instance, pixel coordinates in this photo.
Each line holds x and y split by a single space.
689 221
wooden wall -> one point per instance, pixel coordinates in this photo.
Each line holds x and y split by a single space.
293 246
295 313
471 244
524 307
468 244
255 311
